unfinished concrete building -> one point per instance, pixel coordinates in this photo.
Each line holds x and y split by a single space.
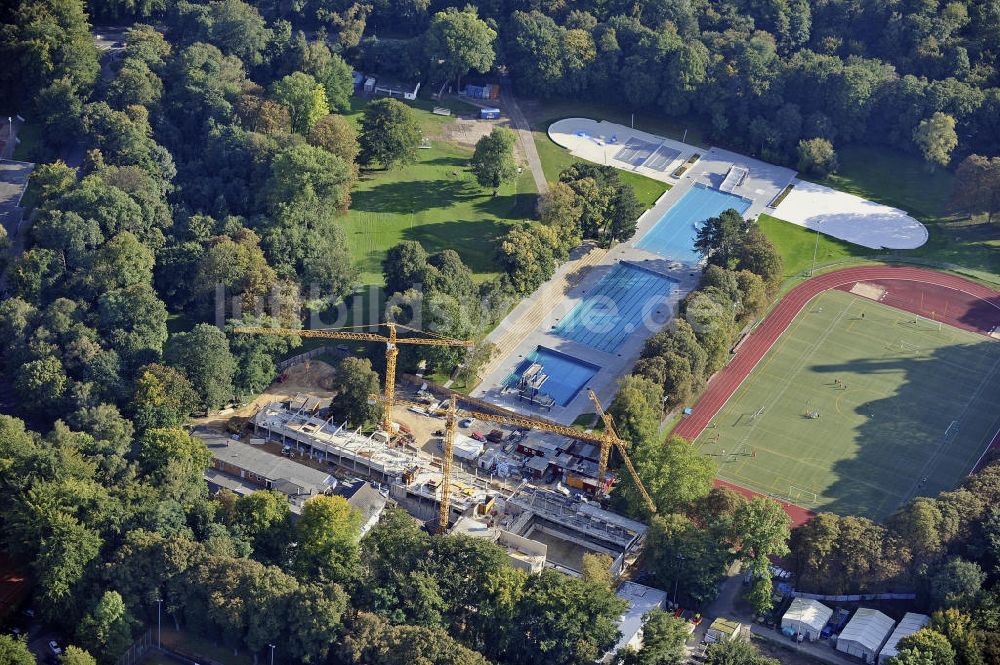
570 528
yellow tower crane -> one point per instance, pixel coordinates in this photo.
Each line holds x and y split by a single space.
452 414
391 350
611 438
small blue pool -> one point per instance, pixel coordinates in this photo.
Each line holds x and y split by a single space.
566 375
674 235
615 307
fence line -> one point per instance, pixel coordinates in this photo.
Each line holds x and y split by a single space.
856 597
302 357
138 649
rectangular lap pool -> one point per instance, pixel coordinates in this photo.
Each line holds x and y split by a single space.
551 373
615 307
673 236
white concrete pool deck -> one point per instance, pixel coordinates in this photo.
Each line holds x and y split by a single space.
851 218
816 207
762 185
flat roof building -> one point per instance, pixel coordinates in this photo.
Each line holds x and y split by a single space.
253 467
641 599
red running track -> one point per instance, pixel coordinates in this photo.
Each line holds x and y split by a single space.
722 386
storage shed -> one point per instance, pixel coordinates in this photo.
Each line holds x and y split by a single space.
909 624
805 617
864 634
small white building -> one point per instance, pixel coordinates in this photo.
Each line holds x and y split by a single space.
466 448
806 617
909 624
641 599
864 634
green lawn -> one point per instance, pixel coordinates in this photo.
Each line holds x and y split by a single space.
891 434
555 158
199 648
436 202
796 245
30 136
901 180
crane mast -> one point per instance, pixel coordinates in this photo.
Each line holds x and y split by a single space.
391 350
452 413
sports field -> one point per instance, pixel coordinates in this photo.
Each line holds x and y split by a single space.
858 407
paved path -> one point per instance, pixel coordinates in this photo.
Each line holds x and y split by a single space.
722 386
524 135
523 320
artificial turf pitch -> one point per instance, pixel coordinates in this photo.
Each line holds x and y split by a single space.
900 407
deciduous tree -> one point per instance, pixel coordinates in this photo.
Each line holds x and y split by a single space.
936 138
389 134
493 160
327 535
457 41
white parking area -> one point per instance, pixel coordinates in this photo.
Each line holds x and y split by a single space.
851 218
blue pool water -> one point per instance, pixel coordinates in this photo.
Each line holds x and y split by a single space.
673 236
615 307
567 375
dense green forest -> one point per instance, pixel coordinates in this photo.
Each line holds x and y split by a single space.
214 151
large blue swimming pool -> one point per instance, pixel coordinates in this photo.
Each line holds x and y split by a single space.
567 375
673 236
615 307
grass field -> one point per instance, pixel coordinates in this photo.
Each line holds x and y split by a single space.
796 245
919 407
435 201
901 180
555 158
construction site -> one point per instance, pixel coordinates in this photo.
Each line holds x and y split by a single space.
453 462
532 492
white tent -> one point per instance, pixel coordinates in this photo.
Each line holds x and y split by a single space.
909 624
865 633
806 617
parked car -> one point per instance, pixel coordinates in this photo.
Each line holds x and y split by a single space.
495 436
477 436
55 648
465 422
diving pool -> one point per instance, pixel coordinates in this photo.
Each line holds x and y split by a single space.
567 375
674 235
615 307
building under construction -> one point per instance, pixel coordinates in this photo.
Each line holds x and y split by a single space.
567 525
414 478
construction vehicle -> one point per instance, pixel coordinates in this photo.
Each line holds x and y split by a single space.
391 349
608 438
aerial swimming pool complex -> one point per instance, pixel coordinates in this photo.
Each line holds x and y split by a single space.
551 373
674 235
615 307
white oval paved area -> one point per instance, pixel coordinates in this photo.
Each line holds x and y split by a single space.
850 218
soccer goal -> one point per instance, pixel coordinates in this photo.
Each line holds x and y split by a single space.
800 495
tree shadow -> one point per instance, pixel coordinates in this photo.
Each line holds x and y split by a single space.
474 240
509 206
457 162
922 439
411 196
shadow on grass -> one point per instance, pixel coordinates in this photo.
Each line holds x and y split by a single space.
411 197
457 162
919 440
509 206
474 240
